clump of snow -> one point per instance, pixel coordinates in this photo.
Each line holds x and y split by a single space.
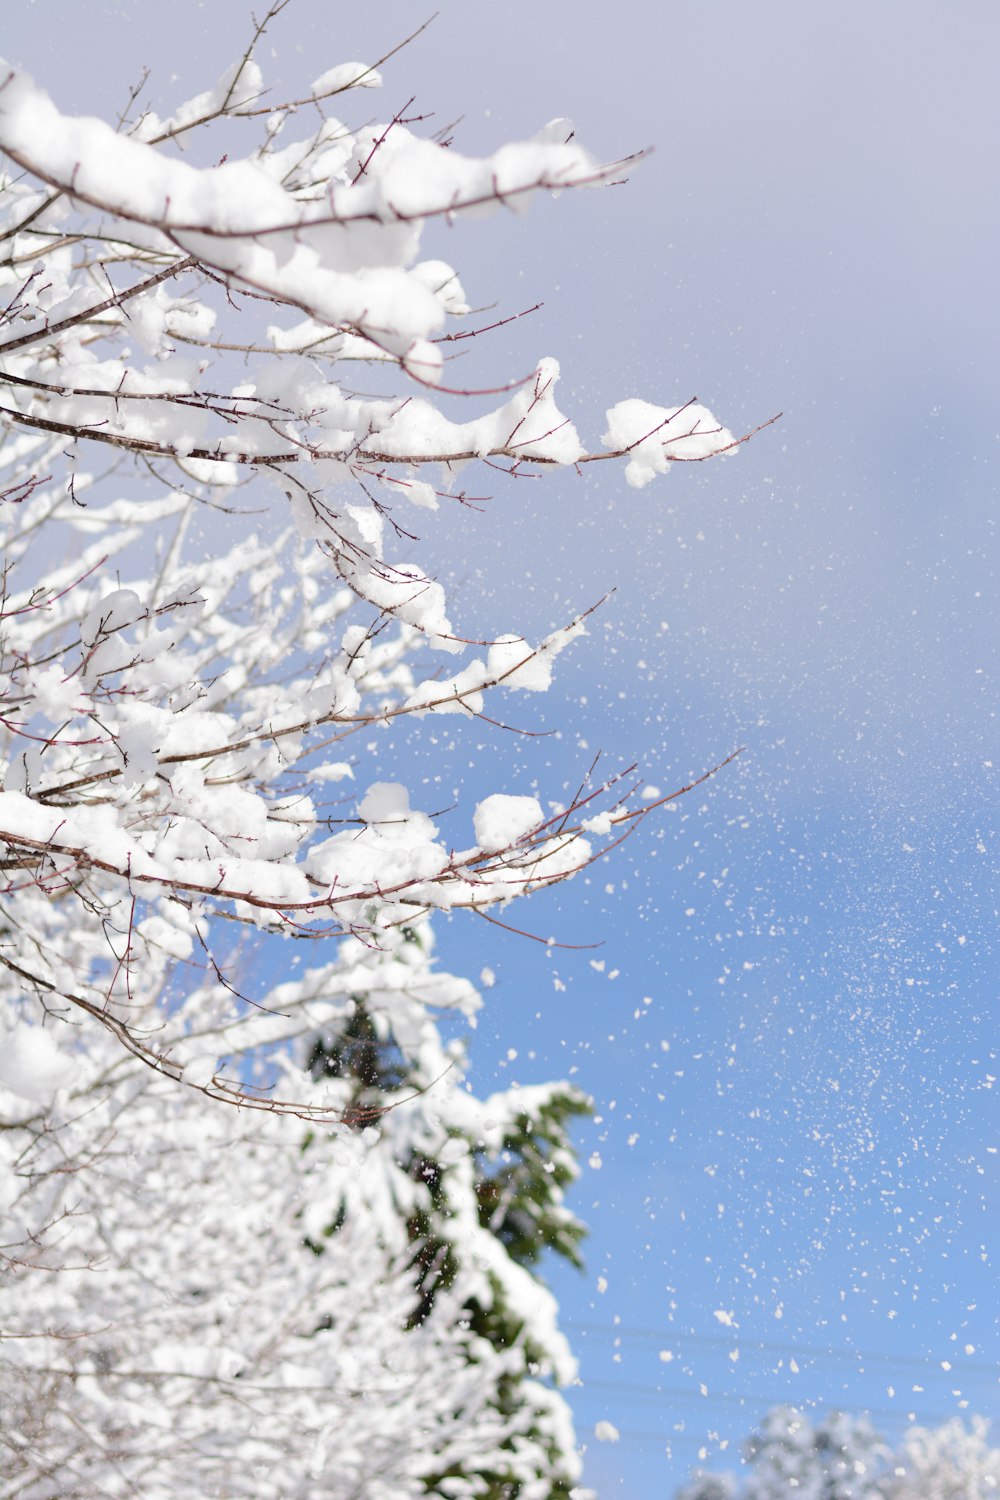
656 436
442 280
337 770
32 1065
601 822
517 665
113 612
397 848
501 821
350 75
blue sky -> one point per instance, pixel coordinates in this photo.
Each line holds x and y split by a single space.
802 1025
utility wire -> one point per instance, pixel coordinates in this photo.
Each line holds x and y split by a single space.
665 1393
961 1364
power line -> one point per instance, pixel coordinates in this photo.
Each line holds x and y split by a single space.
963 1365
762 1403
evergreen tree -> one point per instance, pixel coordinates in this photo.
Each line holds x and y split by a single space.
483 1186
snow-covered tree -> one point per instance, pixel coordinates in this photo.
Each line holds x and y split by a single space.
839 1457
790 1457
836 1458
480 1185
950 1462
210 605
